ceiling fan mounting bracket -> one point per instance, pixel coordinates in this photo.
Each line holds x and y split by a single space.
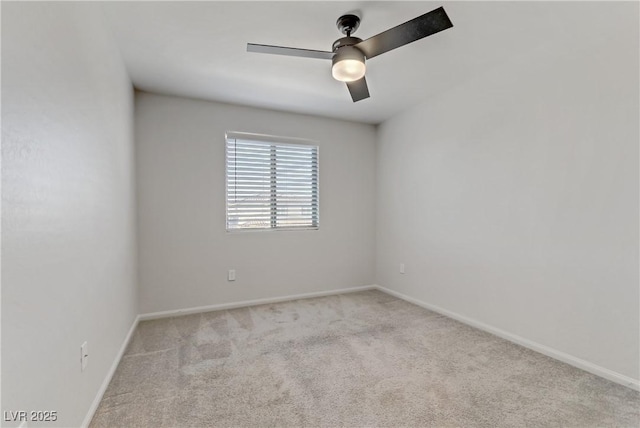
348 24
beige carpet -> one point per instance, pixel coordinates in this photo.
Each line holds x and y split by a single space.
360 359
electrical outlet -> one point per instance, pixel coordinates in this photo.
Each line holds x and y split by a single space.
232 275
84 356
401 267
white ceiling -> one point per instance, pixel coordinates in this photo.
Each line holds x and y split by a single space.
198 49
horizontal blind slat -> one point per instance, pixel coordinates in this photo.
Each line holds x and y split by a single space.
262 167
257 145
267 153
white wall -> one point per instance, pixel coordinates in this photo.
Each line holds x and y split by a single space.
68 244
513 199
184 250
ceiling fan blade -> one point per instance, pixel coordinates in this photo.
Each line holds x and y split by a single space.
358 90
281 50
415 29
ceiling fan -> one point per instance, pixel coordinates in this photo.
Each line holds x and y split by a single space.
349 53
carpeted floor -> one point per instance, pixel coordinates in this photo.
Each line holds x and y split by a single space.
359 359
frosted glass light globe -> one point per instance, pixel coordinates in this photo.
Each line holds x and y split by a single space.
348 70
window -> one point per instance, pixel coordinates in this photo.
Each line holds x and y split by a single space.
272 183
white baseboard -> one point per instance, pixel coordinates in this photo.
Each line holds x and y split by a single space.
245 303
550 352
112 370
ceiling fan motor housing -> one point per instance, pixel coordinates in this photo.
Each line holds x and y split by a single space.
344 49
347 52
347 64
345 41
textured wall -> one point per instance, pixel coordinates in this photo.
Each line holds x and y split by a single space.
68 238
513 199
184 250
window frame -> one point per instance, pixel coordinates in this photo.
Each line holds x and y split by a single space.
276 140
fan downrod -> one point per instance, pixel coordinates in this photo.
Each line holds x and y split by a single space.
348 24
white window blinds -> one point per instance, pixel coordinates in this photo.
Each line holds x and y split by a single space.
271 184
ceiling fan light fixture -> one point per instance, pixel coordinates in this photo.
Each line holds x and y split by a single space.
348 53
348 64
